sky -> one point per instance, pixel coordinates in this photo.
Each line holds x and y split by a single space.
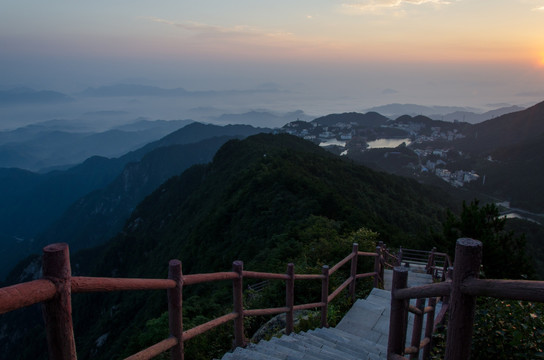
328 54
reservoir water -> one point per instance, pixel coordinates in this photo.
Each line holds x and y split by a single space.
387 143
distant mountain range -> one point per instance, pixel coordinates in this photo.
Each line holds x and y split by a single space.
262 118
445 113
61 143
21 96
147 90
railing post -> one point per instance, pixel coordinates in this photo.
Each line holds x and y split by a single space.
325 295
430 262
377 267
468 257
399 257
353 271
449 277
289 298
175 313
444 270
429 328
399 314
417 328
237 291
382 260
57 312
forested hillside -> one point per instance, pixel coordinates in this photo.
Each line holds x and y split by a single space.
88 203
266 200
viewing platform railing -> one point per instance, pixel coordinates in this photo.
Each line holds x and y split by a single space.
55 290
459 297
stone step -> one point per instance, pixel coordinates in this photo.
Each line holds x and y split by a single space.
322 351
361 334
346 338
342 347
414 279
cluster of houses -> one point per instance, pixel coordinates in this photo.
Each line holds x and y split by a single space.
352 136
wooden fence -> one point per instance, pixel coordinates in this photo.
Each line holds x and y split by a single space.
435 263
55 289
459 294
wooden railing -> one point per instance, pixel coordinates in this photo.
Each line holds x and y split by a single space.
55 289
435 263
390 260
459 294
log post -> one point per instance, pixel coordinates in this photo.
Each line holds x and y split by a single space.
429 328
399 257
377 267
289 298
449 277
353 271
468 257
383 249
399 314
325 295
175 313
430 263
237 294
57 312
417 328
444 270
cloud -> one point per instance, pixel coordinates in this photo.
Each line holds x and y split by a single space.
541 8
206 30
372 6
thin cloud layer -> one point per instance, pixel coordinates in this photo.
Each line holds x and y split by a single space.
207 30
371 6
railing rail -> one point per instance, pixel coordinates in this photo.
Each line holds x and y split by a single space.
459 296
55 289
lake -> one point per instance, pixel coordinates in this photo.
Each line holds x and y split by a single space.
387 143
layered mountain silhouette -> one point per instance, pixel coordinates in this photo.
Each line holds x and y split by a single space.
21 96
264 200
32 203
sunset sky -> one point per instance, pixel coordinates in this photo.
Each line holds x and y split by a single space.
374 52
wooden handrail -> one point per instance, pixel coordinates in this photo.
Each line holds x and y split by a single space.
528 290
82 284
423 291
339 289
202 328
365 275
308 277
363 253
264 275
29 293
308 306
459 294
341 263
60 279
267 311
154 350
202 278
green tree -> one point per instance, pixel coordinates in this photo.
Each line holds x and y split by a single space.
504 253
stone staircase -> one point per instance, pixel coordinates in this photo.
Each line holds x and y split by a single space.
361 334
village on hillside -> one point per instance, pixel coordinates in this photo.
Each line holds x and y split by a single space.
429 143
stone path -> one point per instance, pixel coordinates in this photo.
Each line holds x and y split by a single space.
361 334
